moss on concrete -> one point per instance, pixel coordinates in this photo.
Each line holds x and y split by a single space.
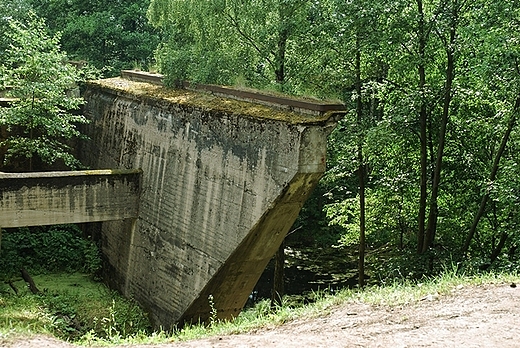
207 101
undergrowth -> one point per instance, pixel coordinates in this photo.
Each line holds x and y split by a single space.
74 307
47 249
71 304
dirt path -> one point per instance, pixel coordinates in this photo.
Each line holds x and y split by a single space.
485 316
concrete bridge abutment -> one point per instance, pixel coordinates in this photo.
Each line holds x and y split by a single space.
223 181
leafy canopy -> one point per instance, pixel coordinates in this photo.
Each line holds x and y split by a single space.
39 121
110 35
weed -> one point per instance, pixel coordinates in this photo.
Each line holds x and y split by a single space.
213 318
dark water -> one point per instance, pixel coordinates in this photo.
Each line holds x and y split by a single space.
308 270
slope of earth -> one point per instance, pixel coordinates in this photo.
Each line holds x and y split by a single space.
473 316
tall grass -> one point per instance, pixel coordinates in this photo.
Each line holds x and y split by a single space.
117 321
398 293
70 306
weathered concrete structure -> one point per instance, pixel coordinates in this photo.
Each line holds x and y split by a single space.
223 181
50 198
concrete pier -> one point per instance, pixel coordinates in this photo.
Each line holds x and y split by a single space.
223 181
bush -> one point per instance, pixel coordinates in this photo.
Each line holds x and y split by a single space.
48 249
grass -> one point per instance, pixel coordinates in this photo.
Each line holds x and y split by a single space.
396 294
25 314
71 307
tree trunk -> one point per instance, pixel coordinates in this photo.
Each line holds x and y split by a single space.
422 124
278 286
280 59
361 167
11 284
30 282
450 74
511 252
492 176
498 248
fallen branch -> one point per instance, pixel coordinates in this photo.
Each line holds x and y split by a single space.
11 284
29 281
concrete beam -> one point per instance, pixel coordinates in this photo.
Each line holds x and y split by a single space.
49 198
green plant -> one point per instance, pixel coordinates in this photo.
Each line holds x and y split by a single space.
48 249
72 307
213 318
39 121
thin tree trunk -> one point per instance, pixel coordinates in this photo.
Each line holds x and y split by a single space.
280 59
28 279
278 288
11 284
31 133
492 176
361 168
511 252
450 74
499 247
422 124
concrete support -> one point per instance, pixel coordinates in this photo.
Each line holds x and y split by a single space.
223 181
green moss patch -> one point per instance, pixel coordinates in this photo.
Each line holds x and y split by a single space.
207 101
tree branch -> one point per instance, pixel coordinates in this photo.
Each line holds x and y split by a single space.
234 22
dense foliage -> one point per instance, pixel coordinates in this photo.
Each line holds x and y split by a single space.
433 89
60 248
111 35
39 122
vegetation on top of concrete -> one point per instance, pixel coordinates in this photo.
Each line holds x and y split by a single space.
207 101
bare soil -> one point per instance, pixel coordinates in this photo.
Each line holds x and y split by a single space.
483 316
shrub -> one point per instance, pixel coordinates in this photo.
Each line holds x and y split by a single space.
48 249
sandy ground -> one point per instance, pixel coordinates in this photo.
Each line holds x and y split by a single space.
485 316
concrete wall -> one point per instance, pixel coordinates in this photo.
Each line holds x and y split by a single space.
223 181
49 198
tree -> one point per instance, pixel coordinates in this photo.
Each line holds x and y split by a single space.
39 122
256 43
110 35
10 9
447 99
496 59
